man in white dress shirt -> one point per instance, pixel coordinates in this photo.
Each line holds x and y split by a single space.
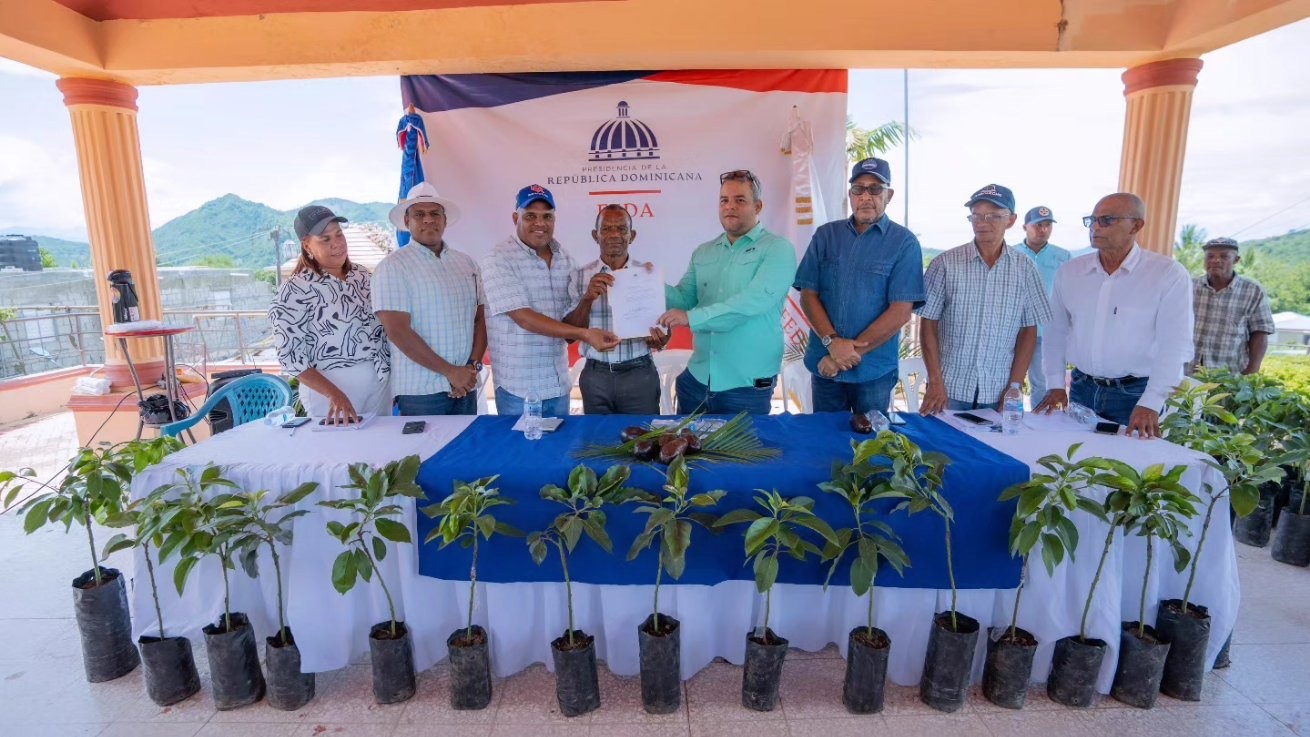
1123 318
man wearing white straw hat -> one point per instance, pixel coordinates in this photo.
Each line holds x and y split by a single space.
429 299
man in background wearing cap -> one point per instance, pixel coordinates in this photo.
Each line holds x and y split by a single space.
1233 317
1123 318
526 279
732 297
984 305
429 298
1048 259
622 381
860 280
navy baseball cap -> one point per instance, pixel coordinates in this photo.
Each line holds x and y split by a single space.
313 220
532 193
1039 214
995 194
877 167
1221 243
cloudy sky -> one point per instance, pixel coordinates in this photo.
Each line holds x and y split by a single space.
1053 136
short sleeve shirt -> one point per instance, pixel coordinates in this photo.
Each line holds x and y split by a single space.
322 322
515 277
981 311
1225 320
857 277
441 294
628 349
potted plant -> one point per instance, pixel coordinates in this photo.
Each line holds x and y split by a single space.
1041 518
202 528
577 685
372 525
462 517
1292 541
94 490
1153 504
668 525
768 536
954 636
1197 419
288 688
862 484
168 662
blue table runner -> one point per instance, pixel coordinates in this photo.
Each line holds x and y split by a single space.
809 443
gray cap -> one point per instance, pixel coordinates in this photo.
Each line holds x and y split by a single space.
313 220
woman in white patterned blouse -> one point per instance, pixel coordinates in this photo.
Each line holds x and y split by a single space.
324 326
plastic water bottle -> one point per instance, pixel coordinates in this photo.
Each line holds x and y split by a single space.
1012 417
532 417
1082 414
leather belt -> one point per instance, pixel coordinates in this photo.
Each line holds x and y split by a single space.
1118 382
620 366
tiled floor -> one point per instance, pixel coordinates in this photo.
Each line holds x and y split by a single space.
43 692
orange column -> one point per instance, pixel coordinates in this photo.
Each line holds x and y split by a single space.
108 144
1159 108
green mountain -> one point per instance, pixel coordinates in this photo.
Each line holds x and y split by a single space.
228 226
1292 247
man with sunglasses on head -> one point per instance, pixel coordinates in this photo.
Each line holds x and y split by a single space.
1123 318
860 280
732 298
980 319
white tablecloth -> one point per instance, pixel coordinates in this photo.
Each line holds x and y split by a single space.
331 628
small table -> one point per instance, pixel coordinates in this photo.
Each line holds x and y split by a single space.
171 387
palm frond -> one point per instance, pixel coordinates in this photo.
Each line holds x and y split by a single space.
734 442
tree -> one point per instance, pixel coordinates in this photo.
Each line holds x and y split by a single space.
48 260
1188 248
863 143
215 261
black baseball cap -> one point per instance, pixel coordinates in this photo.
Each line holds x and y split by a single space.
313 220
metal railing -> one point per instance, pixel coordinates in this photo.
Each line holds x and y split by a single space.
46 338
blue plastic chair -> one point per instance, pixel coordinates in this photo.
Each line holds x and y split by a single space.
251 398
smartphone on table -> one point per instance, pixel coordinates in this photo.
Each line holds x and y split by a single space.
972 418
295 422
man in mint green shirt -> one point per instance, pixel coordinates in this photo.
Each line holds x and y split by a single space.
732 298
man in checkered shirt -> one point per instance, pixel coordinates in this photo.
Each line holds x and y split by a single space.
622 381
526 282
980 320
1233 317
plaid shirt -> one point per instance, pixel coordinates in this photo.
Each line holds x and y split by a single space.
981 311
515 277
441 294
1225 320
600 314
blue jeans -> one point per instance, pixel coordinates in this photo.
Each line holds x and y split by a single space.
955 405
1114 403
694 396
510 404
836 396
437 404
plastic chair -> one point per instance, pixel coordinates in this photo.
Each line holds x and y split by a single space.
913 375
250 397
668 364
796 380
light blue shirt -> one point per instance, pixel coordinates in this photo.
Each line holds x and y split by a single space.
1048 261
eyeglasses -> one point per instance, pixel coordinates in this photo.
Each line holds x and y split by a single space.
738 175
995 217
876 190
1104 221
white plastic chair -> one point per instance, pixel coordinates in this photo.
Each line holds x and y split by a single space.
486 390
796 388
913 376
668 364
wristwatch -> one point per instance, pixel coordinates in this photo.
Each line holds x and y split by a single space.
828 339
477 365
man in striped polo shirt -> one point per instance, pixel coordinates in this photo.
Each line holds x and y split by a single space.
428 297
622 381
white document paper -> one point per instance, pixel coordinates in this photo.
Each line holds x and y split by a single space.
636 301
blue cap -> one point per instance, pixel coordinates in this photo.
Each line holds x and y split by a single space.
877 167
533 193
1039 214
995 194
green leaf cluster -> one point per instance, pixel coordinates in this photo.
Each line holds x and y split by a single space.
1045 502
372 522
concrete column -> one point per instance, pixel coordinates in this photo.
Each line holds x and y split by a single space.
108 144
1159 108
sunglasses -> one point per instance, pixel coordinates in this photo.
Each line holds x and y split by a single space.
1104 221
738 175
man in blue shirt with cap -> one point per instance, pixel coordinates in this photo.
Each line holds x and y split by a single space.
860 280
1048 259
